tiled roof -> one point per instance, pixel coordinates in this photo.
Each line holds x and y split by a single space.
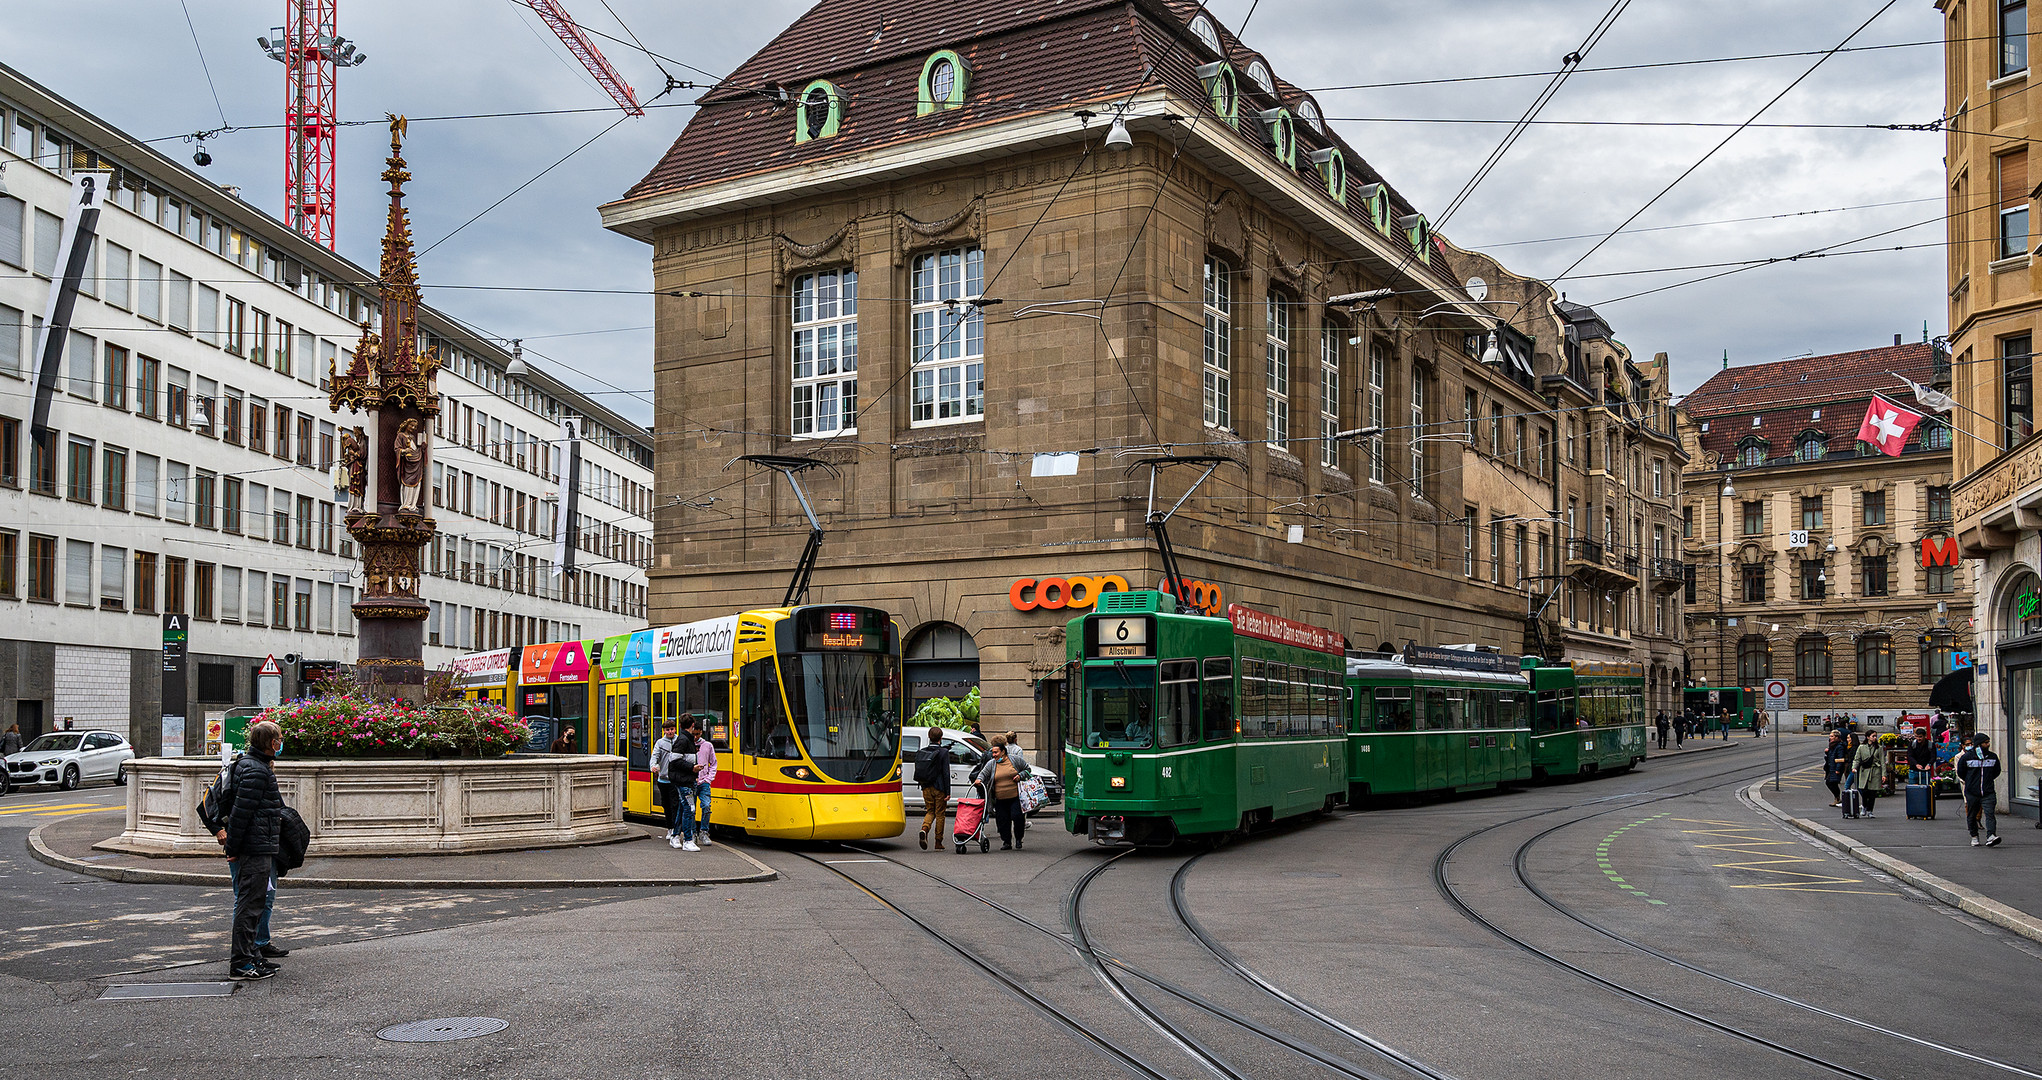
1026 57
1784 396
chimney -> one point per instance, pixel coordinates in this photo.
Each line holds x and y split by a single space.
1896 339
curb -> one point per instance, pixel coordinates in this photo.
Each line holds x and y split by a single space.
1957 896
142 876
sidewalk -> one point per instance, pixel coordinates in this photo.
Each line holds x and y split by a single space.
1698 744
2002 885
642 860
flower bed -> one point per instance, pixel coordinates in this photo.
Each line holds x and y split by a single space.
364 727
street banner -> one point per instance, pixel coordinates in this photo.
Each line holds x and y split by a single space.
74 260
565 542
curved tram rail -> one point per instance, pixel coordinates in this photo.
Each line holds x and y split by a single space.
1452 896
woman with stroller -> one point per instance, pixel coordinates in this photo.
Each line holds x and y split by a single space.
1002 783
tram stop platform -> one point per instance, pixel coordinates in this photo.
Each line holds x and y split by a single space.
2001 885
643 860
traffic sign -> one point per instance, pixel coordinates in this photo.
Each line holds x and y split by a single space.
1776 695
269 666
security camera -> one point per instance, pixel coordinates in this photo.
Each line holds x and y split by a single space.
290 658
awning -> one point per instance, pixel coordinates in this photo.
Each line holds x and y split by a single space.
1952 692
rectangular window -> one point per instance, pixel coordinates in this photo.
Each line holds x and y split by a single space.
205 407
284 354
1468 541
42 568
175 570
1417 446
1687 522
345 617
1941 580
178 399
146 477
1811 511
82 350
1658 478
235 332
826 353
947 337
1754 584
113 486
1875 575
1495 550
326 526
13 235
204 490
258 598
283 432
177 492
301 605
258 338
280 602
323 607
230 504
1329 394
13 322
1378 413
78 572
49 230
1814 579
1875 508
205 314
1276 372
204 589
2013 37
10 559
115 275
258 512
145 582
148 388
1523 537
1495 431
177 301
2017 373
230 417
1939 503
113 578
326 437
304 517
10 452
149 289
1219 344
304 438
258 425
78 471
42 462
230 594
1754 518
114 386
2013 204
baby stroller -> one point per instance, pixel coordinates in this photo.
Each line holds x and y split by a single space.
971 822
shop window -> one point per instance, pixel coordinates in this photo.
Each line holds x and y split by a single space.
1875 660
1754 659
1811 660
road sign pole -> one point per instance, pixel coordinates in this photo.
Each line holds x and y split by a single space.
1777 717
1776 691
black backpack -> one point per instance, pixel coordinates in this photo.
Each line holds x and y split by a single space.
932 766
217 803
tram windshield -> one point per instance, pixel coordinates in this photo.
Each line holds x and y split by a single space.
846 708
1120 706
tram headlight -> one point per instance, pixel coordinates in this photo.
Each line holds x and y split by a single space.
1120 781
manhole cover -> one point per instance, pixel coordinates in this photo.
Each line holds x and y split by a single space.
160 991
445 1029
1309 873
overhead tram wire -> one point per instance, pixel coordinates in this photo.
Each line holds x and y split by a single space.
1689 171
203 66
535 179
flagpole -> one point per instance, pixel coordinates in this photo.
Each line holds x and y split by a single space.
1911 385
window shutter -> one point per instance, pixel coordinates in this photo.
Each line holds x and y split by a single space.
2013 179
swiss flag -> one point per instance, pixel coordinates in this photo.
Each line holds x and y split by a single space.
1887 426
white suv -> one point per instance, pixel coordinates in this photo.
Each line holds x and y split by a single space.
966 752
70 758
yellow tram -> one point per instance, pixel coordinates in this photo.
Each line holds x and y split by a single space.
803 704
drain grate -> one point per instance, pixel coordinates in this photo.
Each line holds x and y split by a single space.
160 991
444 1029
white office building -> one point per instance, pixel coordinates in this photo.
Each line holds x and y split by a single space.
189 463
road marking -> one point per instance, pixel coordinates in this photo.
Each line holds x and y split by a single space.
1738 837
1602 861
75 813
56 806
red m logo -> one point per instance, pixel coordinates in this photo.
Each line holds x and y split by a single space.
1939 551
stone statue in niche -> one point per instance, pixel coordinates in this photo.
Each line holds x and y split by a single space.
410 447
352 477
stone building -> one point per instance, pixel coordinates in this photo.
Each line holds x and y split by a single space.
908 246
1818 558
1995 315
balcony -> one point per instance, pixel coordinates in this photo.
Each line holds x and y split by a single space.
1590 564
1668 575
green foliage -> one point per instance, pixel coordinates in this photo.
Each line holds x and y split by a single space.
952 713
365 727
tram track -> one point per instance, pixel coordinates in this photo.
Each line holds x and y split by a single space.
1455 898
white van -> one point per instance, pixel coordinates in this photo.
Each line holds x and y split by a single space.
966 752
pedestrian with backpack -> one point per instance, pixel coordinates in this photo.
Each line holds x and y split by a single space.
251 836
932 775
663 764
698 762
1977 771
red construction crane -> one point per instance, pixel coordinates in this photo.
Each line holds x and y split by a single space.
584 50
311 53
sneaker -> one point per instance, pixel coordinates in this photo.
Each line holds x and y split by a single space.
1974 841
250 972
673 841
702 838
689 845
1992 841
925 839
273 951
1836 804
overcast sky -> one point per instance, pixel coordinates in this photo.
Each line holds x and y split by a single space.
133 62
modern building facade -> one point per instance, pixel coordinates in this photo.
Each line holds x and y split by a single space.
189 466
916 255
1818 558
1995 315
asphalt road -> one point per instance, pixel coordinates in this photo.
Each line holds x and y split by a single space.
812 976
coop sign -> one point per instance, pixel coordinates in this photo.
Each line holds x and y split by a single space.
1054 593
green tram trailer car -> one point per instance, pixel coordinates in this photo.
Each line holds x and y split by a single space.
1721 705
1587 719
1436 719
1179 725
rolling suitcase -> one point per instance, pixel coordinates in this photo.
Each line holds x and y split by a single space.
1921 801
1851 802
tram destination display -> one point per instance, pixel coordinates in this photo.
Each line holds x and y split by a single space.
1119 636
843 629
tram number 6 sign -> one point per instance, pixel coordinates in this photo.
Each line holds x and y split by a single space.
1776 695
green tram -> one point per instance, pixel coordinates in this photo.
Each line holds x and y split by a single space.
1180 725
1436 719
1720 705
1588 718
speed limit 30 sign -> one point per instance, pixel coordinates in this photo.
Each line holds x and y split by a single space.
1776 695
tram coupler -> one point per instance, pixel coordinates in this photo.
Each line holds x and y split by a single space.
1108 829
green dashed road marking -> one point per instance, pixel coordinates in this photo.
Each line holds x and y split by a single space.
1602 860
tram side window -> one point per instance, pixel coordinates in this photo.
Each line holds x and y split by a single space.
716 710
1254 699
641 742
1435 710
1509 709
1457 714
763 727
1394 710
1219 697
1177 721
1481 709
1335 690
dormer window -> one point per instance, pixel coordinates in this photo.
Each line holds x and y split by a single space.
1206 32
1333 170
1375 199
1283 136
1221 85
821 112
1811 447
1419 233
1751 455
1258 73
1309 113
945 76
1705 427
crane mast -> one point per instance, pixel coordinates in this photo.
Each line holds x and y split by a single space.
312 53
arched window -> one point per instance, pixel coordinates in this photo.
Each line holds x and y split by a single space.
1751 455
2023 614
945 77
1811 447
1875 660
1938 651
821 112
1258 73
1754 660
1811 660
1203 27
1309 113
1935 435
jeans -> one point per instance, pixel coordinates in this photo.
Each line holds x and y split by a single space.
695 801
269 901
670 797
933 801
1013 823
252 883
1976 805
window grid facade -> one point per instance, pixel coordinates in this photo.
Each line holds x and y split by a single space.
825 353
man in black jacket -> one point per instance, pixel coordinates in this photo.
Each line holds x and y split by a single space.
251 838
1977 768
932 773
